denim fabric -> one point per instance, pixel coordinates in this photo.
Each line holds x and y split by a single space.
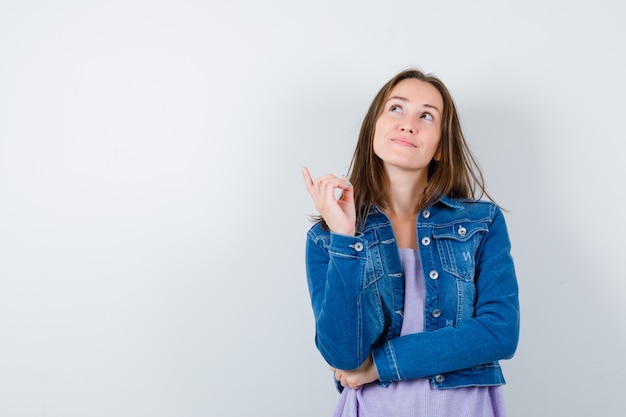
471 319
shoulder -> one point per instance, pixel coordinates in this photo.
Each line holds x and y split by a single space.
465 205
457 209
317 231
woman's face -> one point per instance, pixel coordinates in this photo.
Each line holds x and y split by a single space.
409 128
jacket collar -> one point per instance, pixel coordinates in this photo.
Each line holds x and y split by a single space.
451 202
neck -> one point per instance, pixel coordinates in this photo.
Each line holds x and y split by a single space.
405 193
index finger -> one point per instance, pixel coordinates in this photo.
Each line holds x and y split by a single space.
308 180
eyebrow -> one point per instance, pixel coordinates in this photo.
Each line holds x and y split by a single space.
406 100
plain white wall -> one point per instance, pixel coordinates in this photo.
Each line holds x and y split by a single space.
152 213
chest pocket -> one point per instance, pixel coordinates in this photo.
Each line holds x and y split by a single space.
457 245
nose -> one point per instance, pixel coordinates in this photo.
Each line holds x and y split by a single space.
408 126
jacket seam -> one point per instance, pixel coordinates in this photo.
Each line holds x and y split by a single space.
394 361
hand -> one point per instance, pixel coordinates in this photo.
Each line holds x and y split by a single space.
339 215
358 377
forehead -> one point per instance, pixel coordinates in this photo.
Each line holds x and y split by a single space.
417 92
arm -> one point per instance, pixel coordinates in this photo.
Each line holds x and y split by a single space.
335 263
491 335
334 266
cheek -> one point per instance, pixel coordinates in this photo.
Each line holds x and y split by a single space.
376 147
437 147
436 136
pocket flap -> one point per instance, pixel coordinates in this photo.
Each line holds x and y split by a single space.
460 231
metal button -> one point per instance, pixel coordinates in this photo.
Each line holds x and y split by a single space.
425 241
440 378
358 246
462 231
436 313
426 214
433 274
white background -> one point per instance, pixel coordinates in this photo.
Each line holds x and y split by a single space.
152 212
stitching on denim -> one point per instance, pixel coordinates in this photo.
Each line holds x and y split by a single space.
395 362
359 350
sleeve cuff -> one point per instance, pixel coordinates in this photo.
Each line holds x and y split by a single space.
353 246
385 363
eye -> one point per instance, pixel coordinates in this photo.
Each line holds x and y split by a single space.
395 108
428 116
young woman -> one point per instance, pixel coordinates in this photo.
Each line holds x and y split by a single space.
410 274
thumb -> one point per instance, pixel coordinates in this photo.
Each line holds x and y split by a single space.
347 189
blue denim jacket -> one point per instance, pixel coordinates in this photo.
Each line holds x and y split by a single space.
471 317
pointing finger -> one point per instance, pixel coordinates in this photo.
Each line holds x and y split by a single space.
308 181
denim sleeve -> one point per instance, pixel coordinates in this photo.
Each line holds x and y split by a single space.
334 266
492 334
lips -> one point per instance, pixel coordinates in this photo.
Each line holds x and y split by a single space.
403 142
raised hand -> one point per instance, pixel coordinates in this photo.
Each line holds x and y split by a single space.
339 214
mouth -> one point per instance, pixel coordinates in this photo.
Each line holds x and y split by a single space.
403 142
